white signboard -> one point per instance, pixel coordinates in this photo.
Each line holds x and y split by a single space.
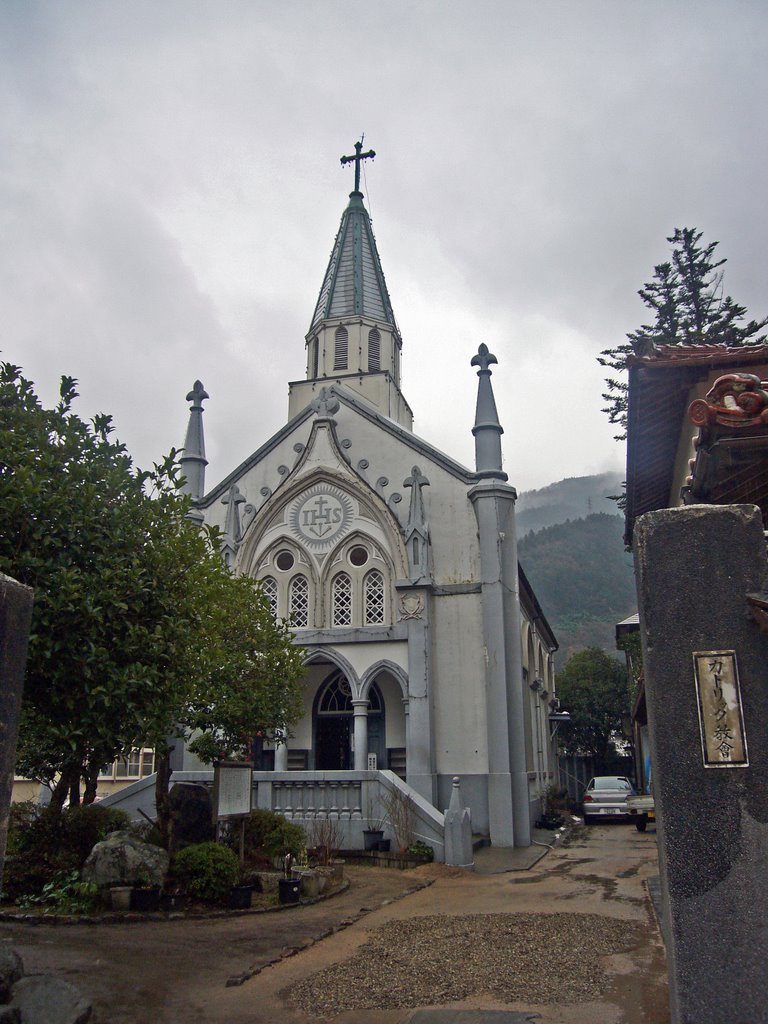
232 789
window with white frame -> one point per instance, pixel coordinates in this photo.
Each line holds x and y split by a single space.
341 600
358 585
136 764
269 590
373 598
298 601
288 583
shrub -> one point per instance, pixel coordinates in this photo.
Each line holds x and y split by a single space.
268 834
421 850
206 870
284 838
258 825
43 844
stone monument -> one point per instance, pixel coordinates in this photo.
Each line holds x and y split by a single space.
706 677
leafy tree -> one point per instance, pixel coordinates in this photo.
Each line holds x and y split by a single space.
137 624
593 688
689 308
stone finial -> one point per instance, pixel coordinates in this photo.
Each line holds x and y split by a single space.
483 359
193 461
232 531
197 395
487 429
416 481
326 404
416 530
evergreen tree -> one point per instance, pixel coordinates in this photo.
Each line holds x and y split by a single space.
686 296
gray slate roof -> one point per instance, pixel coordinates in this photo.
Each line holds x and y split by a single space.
354 281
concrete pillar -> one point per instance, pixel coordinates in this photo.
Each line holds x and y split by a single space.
360 709
281 754
706 682
508 809
414 604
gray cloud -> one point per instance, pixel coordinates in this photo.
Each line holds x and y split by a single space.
170 189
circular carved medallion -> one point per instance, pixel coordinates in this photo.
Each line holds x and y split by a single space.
321 516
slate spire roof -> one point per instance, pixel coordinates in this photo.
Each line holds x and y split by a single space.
354 284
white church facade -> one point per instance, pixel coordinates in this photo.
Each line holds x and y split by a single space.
426 650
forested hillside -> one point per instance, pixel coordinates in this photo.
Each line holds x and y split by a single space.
583 579
573 498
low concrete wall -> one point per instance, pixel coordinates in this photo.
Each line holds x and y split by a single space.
352 800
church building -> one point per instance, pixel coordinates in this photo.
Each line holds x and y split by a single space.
427 653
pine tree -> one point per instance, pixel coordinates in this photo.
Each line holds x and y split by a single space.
686 295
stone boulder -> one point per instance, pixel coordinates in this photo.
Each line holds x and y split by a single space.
42 999
191 815
122 859
11 969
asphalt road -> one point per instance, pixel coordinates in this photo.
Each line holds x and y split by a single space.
177 971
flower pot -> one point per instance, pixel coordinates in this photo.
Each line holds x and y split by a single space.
240 897
372 837
383 846
289 890
310 884
120 897
146 898
173 901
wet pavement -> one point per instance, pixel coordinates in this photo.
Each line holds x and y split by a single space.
241 970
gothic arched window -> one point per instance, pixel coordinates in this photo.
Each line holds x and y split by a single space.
374 350
269 590
374 598
341 349
298 601
341 597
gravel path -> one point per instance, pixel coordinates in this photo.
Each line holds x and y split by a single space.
540 958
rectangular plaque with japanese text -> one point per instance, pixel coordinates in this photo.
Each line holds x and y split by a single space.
723 740
232 789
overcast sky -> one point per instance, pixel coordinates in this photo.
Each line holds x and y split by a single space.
170 189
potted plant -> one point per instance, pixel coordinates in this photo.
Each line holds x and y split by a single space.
145 895
120 897
240 896
173 899
374 834
288 887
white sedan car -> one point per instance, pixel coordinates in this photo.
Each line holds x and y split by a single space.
606 797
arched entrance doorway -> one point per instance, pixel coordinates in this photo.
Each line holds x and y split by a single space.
332 716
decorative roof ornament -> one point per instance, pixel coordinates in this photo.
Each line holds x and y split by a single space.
417 541
232 531
193 461
357 159
326 404
487 429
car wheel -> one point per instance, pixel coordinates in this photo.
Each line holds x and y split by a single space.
641 824
589 819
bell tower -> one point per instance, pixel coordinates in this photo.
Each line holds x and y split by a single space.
353 338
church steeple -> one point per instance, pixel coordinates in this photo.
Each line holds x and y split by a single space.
353 337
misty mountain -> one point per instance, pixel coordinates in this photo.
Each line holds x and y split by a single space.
583 579
573 498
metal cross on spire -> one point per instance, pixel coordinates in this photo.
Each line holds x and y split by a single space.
357 159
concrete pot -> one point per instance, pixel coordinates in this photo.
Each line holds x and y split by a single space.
120 897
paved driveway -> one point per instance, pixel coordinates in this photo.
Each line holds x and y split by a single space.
170 972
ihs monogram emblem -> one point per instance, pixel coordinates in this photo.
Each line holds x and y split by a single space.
321 516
